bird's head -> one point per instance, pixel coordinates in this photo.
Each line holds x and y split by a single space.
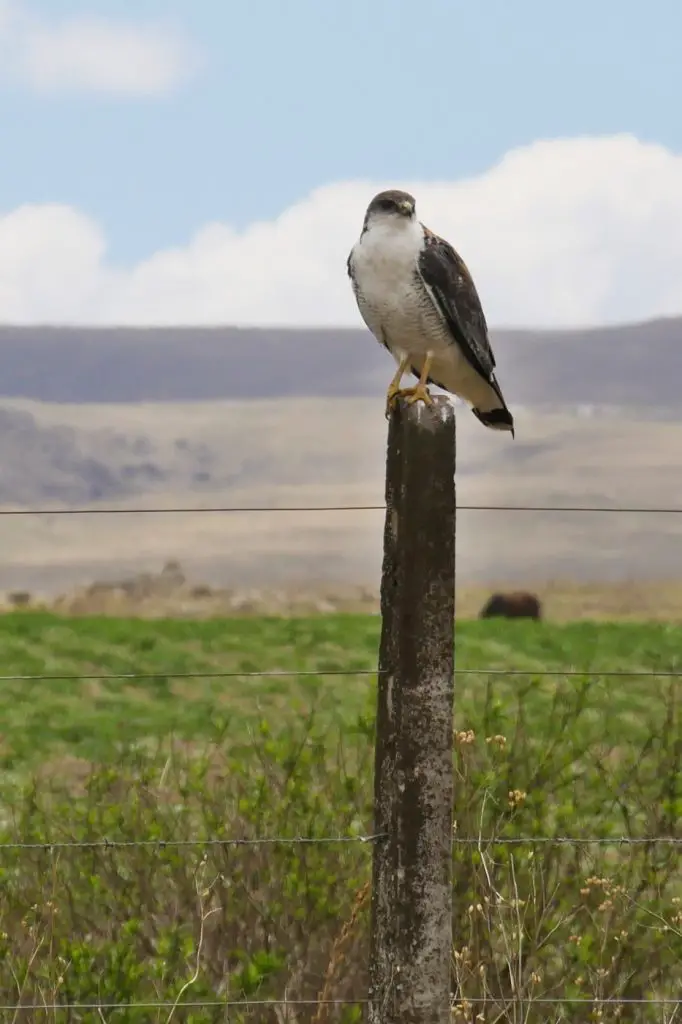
392 204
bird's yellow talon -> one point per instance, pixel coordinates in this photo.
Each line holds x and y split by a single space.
392 396
420 394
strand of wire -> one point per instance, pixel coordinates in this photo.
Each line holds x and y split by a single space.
162 844
573 1000
477 841
151 510
256 1004
250 1004
348 672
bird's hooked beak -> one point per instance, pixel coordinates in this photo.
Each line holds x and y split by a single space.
406 207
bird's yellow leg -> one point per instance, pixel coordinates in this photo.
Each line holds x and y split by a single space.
394 390
421 393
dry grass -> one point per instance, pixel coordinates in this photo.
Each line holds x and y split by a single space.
331 452
169 594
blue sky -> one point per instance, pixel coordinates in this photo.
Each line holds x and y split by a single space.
144 121
290 96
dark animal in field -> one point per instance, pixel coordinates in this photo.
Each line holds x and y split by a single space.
518 604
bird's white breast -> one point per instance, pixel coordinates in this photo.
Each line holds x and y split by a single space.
385 260
393 304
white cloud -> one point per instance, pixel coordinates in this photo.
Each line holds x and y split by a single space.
558 233
91 54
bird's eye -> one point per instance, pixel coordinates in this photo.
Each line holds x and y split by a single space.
387 204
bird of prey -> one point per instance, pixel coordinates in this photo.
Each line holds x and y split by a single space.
418 299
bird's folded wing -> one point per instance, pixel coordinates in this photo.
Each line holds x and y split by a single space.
447 278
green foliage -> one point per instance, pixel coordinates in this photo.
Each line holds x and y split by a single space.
203 921
97 719
189 762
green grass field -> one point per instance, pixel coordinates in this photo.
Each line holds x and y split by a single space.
92 717
559 749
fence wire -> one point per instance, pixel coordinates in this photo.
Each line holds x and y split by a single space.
196 1004
256 1004
576 1000
478 841
162 844
186 510
348 672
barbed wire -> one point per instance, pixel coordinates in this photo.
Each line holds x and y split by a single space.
566 840
162 844
186 510
573 1000
478 841
249 674
252 1004
255 1004
295 673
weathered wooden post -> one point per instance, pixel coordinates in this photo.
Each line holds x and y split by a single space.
411 927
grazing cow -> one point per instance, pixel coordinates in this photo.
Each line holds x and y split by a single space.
518 604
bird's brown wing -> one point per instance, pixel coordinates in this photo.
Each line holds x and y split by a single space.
447 277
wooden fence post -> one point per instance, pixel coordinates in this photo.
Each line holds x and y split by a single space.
411 921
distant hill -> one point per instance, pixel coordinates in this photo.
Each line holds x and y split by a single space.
638 364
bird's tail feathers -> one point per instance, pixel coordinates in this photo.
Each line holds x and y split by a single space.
496 416
496 419
491 408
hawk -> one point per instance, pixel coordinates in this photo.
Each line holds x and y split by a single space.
418 299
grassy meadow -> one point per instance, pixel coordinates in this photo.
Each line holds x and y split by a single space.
558 749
